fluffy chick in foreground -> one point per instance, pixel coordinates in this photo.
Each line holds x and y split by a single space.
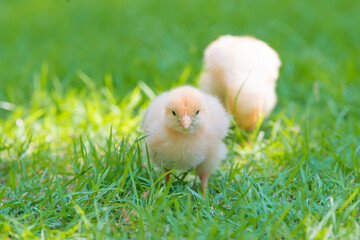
185 128
242 72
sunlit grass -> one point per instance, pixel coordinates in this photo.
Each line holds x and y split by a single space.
55 118
74 166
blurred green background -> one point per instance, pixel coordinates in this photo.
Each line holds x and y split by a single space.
154 41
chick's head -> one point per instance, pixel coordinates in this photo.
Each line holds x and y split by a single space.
185 110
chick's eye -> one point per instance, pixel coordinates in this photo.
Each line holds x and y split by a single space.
173 112
197 112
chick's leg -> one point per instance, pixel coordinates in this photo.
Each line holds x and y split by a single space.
167 176
205 168
204 180
254 117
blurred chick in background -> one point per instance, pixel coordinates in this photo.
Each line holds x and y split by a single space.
185 129
242 72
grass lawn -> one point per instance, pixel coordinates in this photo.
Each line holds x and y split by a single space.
75 77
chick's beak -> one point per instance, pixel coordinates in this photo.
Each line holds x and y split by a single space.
186 121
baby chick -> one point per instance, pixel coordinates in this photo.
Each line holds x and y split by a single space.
184 129
242 72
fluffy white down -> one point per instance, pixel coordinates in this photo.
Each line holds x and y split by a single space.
186 151
240 55
233 63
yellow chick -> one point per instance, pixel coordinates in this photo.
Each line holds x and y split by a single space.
242 72
185 128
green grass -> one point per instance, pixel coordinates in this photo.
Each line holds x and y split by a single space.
75 77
